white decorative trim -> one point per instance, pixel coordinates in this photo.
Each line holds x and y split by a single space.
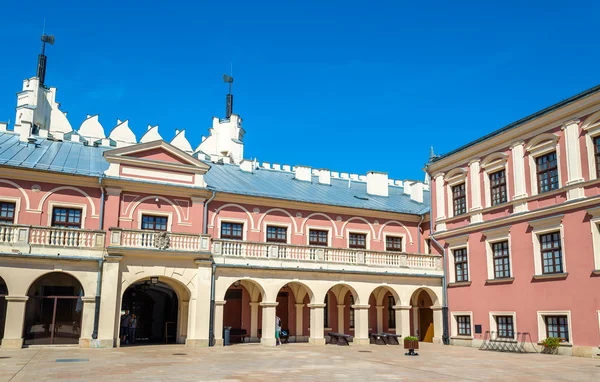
166 200
540 145
17 202
492 237
395 222
367 237
491 164
319 228
542 323
394 234
455 178
233 220
595 229
212 220
168 215
54 190
287 226
452 265
361 219
544 226
52 205
319 214
591 128
278 210
454 324
494 324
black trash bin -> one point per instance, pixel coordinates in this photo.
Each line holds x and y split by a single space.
226 331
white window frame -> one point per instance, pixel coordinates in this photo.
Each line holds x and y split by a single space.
591 128
495 236
319 228
542 323
234 220
595 229
367 238
454 178
454 325
287 226
397 235
494 324
491 164
541 145
544 226
83 207
168 215
455 243
17 202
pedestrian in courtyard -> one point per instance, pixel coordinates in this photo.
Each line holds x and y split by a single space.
132 327
125 317
277 330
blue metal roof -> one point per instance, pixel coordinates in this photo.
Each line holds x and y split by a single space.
75 158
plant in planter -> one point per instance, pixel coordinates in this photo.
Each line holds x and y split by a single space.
551 345
411 343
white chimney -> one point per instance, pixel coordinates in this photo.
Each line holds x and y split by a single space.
416 192
246 165
324 176
303 173
377 183
407 187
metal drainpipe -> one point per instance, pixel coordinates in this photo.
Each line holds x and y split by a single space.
211 319
100 263
419 233
445 337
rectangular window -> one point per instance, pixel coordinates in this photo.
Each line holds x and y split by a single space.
154 223
461 265
7 213
276 234
317 237
501 260
459 197
498 187
66 217
505 326
351 311
557 326
233 231
464 325
597 155
391 313
358 240
393 243
551 253
547 172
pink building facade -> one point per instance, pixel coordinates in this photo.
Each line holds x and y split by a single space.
517 215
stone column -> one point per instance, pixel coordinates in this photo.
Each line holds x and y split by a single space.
475 190
299 322
112 208
199 305
183 318
574 172
317 329
379 309
361 327
218 322
438 324
341 317
440 206
268 323
519 182
87 320
254 321
402 320
110 311
15 319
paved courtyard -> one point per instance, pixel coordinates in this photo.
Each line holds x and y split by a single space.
294 362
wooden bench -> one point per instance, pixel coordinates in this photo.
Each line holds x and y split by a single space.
392 339
377 338
239 334
339 339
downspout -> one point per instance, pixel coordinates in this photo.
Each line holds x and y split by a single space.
100 262
419 234
445 336
211 320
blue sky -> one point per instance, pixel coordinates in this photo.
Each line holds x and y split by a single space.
346 85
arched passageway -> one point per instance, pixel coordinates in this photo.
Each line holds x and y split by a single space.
293 309
340 315
240 312
54 310
154 305
423 322
3 294
382 311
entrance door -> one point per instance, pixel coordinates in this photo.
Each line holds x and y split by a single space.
282 309
426 324
54 310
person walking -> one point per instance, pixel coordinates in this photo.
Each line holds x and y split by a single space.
132 327
125 317
277 331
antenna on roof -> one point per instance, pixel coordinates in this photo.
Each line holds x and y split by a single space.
41 67
228 79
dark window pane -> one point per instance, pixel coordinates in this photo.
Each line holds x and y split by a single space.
501 260
498 187
505 326
557 326
461 265
551 252
357 240
276 234
66 217
393 243
232 231
459 198
317 237
464 325
547 172
7 212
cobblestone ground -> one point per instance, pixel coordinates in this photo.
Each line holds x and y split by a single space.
294 362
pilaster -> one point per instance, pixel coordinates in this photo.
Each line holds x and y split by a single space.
402 319
361 317
15 319
317 329
268 323
109 301
519 182
574 171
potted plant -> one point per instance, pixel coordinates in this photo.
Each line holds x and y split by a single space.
551 345
411 343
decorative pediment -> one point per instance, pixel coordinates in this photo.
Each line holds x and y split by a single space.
156 161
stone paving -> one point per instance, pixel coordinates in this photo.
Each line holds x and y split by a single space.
294 362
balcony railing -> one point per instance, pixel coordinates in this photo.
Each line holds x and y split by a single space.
158 240
247 249
51 236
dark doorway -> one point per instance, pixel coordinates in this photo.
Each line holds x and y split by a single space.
282 309
156 308
54 310
3 294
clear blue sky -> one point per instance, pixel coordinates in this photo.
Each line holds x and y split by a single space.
345 85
